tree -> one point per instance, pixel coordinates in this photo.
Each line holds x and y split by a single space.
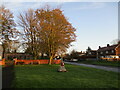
115 41
27 21
7 28
46 31
55 32
14 45
89 49
74 54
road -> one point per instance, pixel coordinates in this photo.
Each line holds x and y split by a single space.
114 69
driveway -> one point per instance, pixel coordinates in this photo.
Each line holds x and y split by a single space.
114 69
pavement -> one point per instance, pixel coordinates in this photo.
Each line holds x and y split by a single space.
114 69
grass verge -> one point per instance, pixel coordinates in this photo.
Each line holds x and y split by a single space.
46 76
102 62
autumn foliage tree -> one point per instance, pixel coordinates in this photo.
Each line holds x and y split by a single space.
7 28
55 32
47 30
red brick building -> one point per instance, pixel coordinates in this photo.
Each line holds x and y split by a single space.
118 50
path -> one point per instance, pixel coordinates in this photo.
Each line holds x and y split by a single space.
114 69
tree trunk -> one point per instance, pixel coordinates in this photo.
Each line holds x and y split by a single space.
35 57
50 61
3 54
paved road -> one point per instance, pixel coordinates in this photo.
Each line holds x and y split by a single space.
114 69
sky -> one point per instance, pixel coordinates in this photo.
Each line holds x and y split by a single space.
96 23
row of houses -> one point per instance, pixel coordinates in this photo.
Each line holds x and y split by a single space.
107 52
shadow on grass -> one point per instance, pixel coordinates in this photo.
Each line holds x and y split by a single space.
8 76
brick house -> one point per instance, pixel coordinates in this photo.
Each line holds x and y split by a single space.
107 52
118 50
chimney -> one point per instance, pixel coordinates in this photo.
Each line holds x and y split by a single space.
99 47
108 45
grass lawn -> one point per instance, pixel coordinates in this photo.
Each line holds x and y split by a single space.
102 62
46 76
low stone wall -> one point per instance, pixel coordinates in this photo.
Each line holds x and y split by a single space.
2 62
36 61
16 61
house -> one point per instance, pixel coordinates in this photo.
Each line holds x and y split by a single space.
91 54
107 52
1 52
117 49
82 56
82 53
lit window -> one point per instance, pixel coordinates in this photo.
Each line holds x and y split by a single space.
112 51
117 56
89 52
106 51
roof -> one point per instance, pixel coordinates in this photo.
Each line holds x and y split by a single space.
93 51
108 48
118 46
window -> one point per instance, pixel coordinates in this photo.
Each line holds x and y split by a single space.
106 51
102 56
117 56
101 52
112 51
89 52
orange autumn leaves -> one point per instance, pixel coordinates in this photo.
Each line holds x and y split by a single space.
47 31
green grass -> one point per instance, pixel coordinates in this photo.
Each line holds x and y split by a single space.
46 76
102 62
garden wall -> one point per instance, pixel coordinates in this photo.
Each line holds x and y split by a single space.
36 61
2 62
30 62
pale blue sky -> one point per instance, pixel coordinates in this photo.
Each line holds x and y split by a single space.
96 23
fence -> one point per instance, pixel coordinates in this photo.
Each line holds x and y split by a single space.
16 61
36 61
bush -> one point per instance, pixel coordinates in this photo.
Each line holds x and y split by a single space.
19 63
9 63
35 63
